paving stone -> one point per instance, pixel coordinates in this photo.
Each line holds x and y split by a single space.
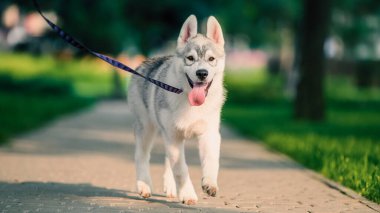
84 163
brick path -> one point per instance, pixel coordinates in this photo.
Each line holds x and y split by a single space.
84 163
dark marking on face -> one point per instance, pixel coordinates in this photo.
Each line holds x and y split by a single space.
200 50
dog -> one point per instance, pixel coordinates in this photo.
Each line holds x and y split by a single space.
197 66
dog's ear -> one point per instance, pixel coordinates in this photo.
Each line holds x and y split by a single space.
214 31
188 30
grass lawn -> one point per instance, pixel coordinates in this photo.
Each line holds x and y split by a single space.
345 147
37 89
20 113
88 77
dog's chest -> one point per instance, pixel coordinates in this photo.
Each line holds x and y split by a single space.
192 122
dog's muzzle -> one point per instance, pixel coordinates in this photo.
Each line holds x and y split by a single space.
198 92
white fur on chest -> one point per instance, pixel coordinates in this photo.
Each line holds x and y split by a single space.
191 122
194 121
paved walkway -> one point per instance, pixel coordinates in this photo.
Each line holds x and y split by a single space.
84 163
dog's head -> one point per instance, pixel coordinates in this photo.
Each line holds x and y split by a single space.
202 58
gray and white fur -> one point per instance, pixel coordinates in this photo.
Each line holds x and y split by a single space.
202 59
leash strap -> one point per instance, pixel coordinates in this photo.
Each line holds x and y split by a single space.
69 39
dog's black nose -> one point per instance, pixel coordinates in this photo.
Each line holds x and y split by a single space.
201 74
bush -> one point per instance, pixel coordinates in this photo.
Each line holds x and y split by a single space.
36 86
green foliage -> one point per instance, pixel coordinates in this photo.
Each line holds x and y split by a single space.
35 86
99 24
20 112
35 90
153 23
353 21
88 77
259 22
344 148
247 86
113 26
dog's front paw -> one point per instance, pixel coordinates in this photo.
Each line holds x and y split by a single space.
170 189
188 196
190 199
210 190
209 187
143 189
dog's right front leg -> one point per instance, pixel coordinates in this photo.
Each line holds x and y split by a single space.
176 156
169 183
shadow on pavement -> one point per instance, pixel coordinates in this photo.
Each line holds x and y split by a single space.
63 196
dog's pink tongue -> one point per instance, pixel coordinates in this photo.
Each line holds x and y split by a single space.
197 95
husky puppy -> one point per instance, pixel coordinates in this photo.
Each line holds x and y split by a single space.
198 68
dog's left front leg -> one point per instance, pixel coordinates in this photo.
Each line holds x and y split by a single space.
209 148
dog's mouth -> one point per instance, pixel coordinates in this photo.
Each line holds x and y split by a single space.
198 92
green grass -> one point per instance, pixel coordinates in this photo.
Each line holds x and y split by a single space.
37 89
345 147
88 77
20 113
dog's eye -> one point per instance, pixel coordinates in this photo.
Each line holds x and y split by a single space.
190 58
211 59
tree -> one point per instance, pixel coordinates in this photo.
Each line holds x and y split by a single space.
99 24
356 23
309 103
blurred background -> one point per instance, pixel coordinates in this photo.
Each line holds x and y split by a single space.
302 76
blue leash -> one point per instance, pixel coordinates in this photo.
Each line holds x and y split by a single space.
69 39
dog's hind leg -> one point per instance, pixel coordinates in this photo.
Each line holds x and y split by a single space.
144 134
169 182
176 155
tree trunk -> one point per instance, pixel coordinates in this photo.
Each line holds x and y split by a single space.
309 103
